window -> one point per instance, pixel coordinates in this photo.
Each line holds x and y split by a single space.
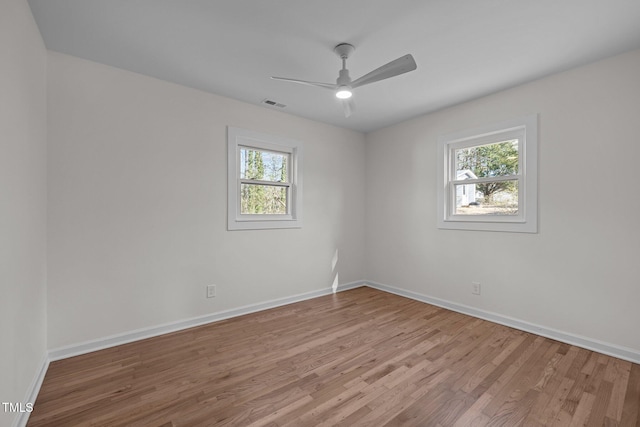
487 178
264 181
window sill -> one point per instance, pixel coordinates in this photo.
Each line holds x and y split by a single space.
242 224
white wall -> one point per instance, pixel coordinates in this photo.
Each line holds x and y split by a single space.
137 205
22 202
580 273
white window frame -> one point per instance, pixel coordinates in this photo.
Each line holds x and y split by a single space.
241 138
525 129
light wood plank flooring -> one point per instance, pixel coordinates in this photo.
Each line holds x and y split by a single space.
357 358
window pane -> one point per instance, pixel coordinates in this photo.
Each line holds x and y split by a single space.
499 159
492 198
263 165
263 199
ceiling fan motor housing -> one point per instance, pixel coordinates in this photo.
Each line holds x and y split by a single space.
343 78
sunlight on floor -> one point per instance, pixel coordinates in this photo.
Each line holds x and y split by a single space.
334 271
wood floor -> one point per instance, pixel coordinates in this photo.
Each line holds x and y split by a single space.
357 358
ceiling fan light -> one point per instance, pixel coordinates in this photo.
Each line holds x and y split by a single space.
343 93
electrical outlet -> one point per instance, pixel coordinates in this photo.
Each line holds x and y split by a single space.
475 288
211 291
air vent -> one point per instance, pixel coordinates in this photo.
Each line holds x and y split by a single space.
271 103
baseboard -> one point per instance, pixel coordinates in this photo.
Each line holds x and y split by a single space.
566 337
32 392
139 334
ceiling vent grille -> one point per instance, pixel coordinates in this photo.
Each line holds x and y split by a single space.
272 103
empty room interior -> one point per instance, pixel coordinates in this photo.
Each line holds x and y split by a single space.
368 213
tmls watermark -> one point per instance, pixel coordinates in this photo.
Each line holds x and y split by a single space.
17 407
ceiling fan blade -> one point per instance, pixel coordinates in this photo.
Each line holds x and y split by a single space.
304 82
401 65
349 106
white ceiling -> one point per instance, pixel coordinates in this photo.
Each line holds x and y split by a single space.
464 48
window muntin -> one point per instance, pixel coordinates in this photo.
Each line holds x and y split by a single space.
488 178
265 181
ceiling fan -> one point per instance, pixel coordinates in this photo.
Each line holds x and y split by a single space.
344 86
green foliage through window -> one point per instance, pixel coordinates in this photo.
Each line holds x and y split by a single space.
488 161
263 168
